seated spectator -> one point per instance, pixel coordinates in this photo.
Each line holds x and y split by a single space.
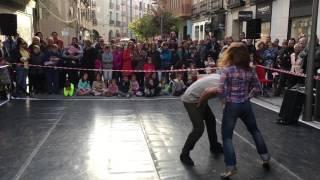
192 75
165 89
84 88
124 87
152 86
149 67
112 88
134 86
68 89
98 86
178 86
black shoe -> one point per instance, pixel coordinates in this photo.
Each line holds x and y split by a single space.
217 149
186 160
266 165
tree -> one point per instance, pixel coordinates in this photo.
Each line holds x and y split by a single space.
144 28
170 22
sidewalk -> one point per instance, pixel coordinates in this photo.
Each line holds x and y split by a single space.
274 104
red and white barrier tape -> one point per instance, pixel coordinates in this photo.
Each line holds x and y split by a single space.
4 66
108 70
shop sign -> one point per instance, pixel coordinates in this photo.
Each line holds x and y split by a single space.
264 12
245 15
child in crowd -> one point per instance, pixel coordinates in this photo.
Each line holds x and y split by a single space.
68 89
112 88
178 86
152 86
134 86
84 88
98 86
165 89
209 63
192 75
149 67
124 87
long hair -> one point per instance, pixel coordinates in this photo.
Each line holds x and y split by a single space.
237 54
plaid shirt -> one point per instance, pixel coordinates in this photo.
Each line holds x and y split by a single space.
238 85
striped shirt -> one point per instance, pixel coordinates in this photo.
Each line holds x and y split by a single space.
238 85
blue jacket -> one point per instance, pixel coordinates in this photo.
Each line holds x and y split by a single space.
166 58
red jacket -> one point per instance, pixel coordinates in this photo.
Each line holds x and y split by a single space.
127 62
149 67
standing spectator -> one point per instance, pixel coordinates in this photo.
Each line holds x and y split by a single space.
214 48
107 62
155 55
203 51
166 60
37 77
269 57
43 43
284 62
138 61
260 50
276 44
9 45
100 46
89 57
296 65
127 59
52 58
242 37
71 56
57 40
21 56
117 63
2 51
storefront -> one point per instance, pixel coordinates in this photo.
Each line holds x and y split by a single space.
238 9
300 18
264 12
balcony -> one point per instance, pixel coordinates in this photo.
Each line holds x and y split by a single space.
184 10
117 7
111 5
111 22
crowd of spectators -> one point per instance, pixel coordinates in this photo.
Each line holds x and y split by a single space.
113 63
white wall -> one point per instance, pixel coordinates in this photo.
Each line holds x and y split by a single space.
232 28
280 19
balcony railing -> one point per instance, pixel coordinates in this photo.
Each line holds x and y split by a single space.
111 22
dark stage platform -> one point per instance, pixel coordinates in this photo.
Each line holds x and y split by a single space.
138 139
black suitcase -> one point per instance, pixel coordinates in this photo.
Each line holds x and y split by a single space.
291 106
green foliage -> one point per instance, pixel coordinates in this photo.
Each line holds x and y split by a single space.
170 22
149 25
144 27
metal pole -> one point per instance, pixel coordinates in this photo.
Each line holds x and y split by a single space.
310 64
161 25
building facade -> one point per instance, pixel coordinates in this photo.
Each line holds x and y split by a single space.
114 16
25 16
200 19
183 10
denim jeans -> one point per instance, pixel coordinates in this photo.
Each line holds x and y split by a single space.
21 79
197 115
52 76
231 112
